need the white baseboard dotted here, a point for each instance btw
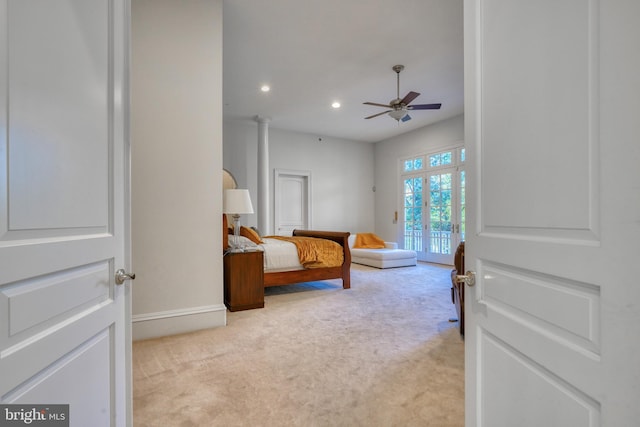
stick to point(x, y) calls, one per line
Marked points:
point(172, 322)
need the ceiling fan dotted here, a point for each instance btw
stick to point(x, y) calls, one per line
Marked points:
point(399, 107)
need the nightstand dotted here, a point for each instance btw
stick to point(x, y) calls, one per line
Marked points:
point(243, 280)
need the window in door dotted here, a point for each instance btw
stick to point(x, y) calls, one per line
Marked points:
point(440, 218)
point(413, 202)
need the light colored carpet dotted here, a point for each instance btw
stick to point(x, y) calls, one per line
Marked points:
point(382, 353)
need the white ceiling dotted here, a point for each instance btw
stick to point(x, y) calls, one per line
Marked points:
point(313, 52)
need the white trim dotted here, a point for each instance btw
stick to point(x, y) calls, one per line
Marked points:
point(178, 312)
point(173, 322)
point(128, 263)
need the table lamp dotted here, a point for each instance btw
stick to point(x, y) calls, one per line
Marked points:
point(237, 202)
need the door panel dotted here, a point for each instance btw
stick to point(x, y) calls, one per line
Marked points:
point(92, 359)
point(503, 364)
point(63, 27)
point(551, 311)
point(63, 320)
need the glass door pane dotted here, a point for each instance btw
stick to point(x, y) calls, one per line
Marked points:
point(413, 204)
point(440, 213)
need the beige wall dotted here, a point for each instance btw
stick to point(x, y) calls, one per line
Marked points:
point(176, 133)
point(342, 175)
point(334, 162)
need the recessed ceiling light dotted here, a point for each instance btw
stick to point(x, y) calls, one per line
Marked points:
point(265, 88)
point(335, 104)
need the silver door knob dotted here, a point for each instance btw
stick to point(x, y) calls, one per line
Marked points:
point(121, 276)
point(469, 278)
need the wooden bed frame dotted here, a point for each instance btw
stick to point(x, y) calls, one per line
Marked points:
point(312, 274)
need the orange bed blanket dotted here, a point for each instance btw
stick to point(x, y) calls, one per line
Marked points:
point(314, 252)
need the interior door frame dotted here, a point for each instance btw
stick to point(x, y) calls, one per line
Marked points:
point(126, 171)
point(306, 177)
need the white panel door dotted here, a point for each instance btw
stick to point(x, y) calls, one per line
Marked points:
point(291, 201)
point(64, 323)
point(551, 126)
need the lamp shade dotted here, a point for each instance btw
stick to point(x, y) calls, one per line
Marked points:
point(237, 201)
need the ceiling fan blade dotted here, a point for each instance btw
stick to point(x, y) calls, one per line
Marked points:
point(377, 105)
point(376, 115)
point(424, 107)
point(409, 97)
point(406, 118)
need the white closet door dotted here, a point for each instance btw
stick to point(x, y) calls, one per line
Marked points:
point(292, 201)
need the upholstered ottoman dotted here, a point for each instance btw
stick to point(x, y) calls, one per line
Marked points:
point(388, 257)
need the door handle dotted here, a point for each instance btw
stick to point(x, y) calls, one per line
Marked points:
point(121, 276)
point(469, 278)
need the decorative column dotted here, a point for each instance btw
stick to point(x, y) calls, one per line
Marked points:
point(264, 223)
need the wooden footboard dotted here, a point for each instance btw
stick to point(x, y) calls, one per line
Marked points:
point(310, 275)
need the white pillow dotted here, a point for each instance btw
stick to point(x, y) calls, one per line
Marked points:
point(243, 242)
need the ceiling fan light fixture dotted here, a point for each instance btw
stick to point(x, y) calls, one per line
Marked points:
point(397, 114)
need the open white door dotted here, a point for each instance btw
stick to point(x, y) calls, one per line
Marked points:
point(64, 322)
point(552, 102)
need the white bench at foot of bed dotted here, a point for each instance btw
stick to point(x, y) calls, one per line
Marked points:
point(388, 257)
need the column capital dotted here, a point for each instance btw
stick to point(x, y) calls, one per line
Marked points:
point(262, 119)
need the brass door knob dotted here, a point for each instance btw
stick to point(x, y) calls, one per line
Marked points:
point(121, 276)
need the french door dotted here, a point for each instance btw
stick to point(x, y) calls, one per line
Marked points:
point(444, 225)
point(434, 211)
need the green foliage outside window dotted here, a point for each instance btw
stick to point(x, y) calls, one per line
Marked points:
point(413, 164)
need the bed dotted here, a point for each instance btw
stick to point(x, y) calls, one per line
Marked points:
point(298, 274)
